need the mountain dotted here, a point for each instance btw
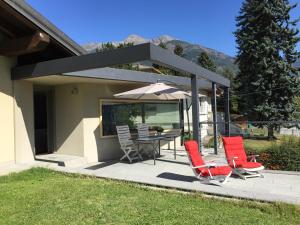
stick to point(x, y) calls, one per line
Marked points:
point(191, 51)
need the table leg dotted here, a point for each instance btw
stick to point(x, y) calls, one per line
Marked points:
point(174, 147)
point(154, 152)
point(159, 148)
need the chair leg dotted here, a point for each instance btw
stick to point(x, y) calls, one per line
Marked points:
point(247, 174)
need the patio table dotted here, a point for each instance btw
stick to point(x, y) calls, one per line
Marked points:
point(173, 138)
point(154, 142)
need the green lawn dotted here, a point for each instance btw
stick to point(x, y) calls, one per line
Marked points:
point(41, 196)
point(258, 145)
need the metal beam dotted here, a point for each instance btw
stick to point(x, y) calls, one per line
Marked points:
point(214, 111)
point(170, 60)
point(195, 108)
point(131, 54)
point(83, 62)
point(227, 111)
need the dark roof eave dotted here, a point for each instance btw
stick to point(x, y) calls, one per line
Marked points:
point(111, 58)
point(28, 12)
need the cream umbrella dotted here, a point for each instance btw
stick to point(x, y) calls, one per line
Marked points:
point(157, 91)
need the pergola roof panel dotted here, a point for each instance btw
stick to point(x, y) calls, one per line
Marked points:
point(121, 56)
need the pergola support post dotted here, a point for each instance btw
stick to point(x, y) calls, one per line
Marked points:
point(227, 111)
point(214, 111)
point(195, 108)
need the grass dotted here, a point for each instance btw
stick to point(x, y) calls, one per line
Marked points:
point(41, 196)
point(257, 145)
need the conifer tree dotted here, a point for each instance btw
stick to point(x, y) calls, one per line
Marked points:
point(178, 50)
point(205, 61)
point(266, 38)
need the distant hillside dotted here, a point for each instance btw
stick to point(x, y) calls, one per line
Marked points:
point(191, 51)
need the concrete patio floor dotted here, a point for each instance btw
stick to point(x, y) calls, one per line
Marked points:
point(275, 186)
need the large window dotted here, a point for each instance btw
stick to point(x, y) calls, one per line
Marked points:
point(114, 113)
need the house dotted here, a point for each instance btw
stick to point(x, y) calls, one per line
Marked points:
point(54, 97)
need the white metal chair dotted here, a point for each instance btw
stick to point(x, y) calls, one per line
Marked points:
point(126, 144)
point(143, 131)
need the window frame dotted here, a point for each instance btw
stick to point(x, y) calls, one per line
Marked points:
point(113, 100)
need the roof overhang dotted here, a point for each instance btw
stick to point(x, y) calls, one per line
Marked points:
point(137, 53)
point(45, 25)
point(117, 75)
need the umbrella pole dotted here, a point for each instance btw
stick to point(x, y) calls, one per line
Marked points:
point(187, 115)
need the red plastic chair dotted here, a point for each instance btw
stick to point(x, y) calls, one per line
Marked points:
point(238, 160)
point(217, 175)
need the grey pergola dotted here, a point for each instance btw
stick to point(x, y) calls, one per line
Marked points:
point(137, 53)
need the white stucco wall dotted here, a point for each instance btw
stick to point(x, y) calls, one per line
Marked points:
point(204, 111)
point(95, 147)
point(7, 148)
point(77, 108)
point(24, 121)
point(69, 119)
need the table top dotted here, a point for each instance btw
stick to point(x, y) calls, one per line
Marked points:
point(155, 137)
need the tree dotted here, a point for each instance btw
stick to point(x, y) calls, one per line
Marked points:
point(205, 61)
point(297, 112)
point(233, 104)
point(106, 47)
point(162, 45)
point(110, 46)
point(266, 39)
point(178, 50)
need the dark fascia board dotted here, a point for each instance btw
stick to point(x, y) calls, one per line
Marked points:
point(137, 76)
point(132, 54)
point(163, 57)
point(40, 21)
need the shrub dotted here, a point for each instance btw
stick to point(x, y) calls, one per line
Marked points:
point(282, 156)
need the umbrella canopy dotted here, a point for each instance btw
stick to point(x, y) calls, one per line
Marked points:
point(157, 91)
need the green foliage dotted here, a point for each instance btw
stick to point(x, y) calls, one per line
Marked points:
point(187, 136)
point(110, 46)
point(41, 196)
point(163, 69)
point(267, 82)
point(158, 129)
point(228, 73)
point(178, 50)
point(162, 45)
point(205, 61)
point(284, 155)
point(297, 111)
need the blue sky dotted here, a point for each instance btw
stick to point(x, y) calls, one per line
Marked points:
point(210, 23)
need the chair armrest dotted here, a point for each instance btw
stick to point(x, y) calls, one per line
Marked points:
point(252, 157)
point(203, 166)
point(232, 159)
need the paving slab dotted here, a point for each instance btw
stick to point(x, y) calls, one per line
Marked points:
point(170, 173)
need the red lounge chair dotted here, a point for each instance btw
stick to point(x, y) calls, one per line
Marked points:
point(237, 159)
point(217, 175)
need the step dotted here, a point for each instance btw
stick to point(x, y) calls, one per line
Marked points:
point(63, 160)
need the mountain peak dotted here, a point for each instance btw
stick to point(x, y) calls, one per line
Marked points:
point(136, 39)
point(190, 51)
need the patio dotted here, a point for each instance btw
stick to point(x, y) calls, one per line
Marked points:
point(275, 186)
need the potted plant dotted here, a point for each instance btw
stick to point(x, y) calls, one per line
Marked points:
point(158, 129)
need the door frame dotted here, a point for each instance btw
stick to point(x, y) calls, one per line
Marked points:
point(51, 134)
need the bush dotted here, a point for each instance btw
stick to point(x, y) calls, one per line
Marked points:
point(282, 156)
